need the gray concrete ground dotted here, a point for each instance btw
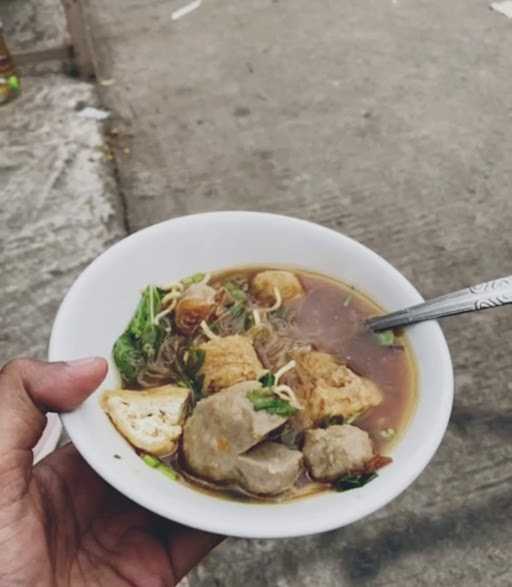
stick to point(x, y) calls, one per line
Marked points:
point(387, 120)
point(59, 202)
point(33, 26)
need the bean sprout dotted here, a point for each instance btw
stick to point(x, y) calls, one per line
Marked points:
point(172, 295)
point(207, 331)
point(277, 303)
point(163, 313)
point(285, 392)
point(172, 286)
point(284, 369)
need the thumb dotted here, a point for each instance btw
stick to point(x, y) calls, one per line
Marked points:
point(29, 388)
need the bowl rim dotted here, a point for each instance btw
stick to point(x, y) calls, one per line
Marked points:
point(210, 524)
point(49, 439)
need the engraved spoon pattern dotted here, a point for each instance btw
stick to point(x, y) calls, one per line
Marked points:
point(483, 296)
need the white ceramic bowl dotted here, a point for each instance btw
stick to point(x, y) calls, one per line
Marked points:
point(49, 439)
point(102, 300)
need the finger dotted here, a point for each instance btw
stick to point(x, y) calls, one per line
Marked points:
point(187, 547)
point(29, 388)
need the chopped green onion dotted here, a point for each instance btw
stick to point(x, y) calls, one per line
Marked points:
point(196, 278)
point(347, 301)
point(265, 399)
point(267, 380)
point(385, 338)
point(150, 461)
point(168, 471)
point(235, 292)
point(157, 464)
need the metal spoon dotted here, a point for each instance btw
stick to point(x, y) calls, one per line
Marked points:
point(479, 297)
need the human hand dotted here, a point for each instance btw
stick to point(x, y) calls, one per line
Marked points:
point(60, 524)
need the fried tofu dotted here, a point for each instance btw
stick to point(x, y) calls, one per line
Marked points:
point(229, 360)
point(264, 284)
point(151, 420)
point(331, 389)
point(315, 366)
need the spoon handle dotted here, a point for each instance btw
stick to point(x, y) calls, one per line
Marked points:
point(490, 294)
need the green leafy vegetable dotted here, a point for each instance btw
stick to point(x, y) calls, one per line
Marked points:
point(142, 326)
point(189, 366)
point(141, 340)
point(265, 399)
point(242, 318)
point(353, 481)
point(267, 380)
point(385, 338)
point(236, 292)
point(128, 357)
point(196, 278)
point(238, 310)
point(157, 464)
point(195, 361)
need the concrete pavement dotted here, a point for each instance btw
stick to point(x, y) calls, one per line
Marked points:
point(59, 202)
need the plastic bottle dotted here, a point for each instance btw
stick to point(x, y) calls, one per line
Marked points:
point(9, 81)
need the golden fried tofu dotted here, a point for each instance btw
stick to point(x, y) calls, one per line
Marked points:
point(331, 389)
point(264, 284)
point(229, 360)
point(357, 396)
point(315, 366)
point(196, 305)
point(151, 420)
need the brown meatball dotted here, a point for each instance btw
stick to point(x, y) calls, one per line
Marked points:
point(287, 283)
point(229, 360)
point(196, 305)
point(222, 427)
point(269, 469)
point(336, 451)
